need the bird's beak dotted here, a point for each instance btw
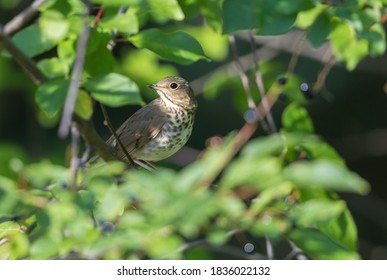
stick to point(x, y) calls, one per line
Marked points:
point(154, 86)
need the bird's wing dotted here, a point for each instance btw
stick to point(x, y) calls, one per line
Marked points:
point(140, 128)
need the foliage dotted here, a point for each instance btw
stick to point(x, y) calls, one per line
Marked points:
point(282, 186)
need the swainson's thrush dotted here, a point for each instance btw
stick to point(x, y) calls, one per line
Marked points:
point(161, 128)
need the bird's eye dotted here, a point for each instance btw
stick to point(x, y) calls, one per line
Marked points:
point(173, 86)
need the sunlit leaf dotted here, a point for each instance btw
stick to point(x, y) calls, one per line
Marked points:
point(54, 25)
point(53, 68)
point(32, 41)
point(325, 174)
point(15, 243)
point(346, 46)
point(315, 212)
point(317, 245)
point(83, 105)
point(176, 46)
point(163, 10)
point(296, 119)
point(114, 90)
point(260, 172)
point(125, 23)
point(51, 96)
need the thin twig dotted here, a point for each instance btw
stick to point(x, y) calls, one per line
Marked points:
point(114, 133)
point(259, 82)
point(23, 17)
point(245, 82)
point(74, 162)
point(244, 78)
point(322, 75)
point(296, 54)
point(98, 16)
point(86, 155)
point(26, 63)
point(72, 93)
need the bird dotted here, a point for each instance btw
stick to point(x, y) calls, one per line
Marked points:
point(160, 128)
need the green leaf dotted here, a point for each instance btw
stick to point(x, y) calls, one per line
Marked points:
point(306, 18)
point(326, 174)
point(261, 14)
point(320, 150)
point(317, 211)
point(209, 166)
point(53, 68)
point(9, 228)
point(270, 226)
point(190, 8)
point(32, 41)
point(12, 158)
point(342, 229)
point(9, 197)
point(66, 51)
point(214, 44)
point(377, 40)
point(44, 173)
point(54, 25)
point(264, 146)
point(211, 10)
point(125, 23)
point(51, 96)
point(260, 172)
point(99, 60)
point(283, 24)
point(114, 90)
point(177, 46)
point(163, 10)
point(347, 47)
point(267, 196)
point(317, 245)
point(296, 119)
point(83, 105)
point(14, 241)
point(239, 15)
point(320, 30)
point(44, 248)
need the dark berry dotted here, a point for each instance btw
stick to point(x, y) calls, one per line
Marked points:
point(282, 80)
point(282, 96)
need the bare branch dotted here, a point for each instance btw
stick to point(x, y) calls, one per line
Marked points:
point(91, 136)
point(296, 54)
point(259, 82)
point(245, 82)
point(23, 17)
point(26, 63)
point(241, 71)
point(75, 78)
